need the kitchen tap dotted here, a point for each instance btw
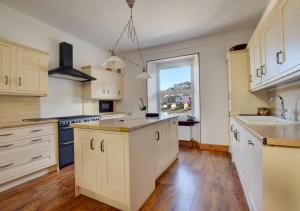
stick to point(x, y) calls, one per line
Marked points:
point(282, 110)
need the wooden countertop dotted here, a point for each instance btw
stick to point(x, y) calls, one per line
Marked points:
point(279, 135)
point(25, 123)
point(122, 124)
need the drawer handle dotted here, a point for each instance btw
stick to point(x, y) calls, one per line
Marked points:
point(7, 134)
point(67, 143)
point(36, 140)
point(258, 72)
point(8, 145)
point(36, 157)
point(250, 143)
point(38, 130)
point(8, 165)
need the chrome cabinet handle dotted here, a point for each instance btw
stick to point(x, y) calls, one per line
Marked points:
point(103, 91)
point(36, 140)
point(7, 134)
point(251, 80)
point(8, 165)
point(67, 143)
point(250, 142)
point(6, 80)
point(34, 131)
point(92, 144)
point(280, 57)
point(8, 145)
point(257, 73)
point(263, 70)
point(36, 157)
point(20, 81)
point(158, 136)
point(102, 145)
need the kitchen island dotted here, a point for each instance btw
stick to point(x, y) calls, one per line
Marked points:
point(117, 161)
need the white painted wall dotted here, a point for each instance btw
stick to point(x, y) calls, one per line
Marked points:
point(213, 80)
point(65, 97)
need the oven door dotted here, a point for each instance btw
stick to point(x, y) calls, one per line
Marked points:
point(66, 146)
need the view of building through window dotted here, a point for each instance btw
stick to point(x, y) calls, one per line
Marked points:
point(176, 91)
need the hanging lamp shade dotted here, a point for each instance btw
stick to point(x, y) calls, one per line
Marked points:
point(143, 75)
point(114, 62)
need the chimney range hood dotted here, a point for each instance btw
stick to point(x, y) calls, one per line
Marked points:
point(65, 69)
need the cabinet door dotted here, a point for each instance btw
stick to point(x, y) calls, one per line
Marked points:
point(5, 67)
point(255, 173)
point(173, 139)
point(120, 87)
point(112, 171)
point(255, 63)
point(270, 46)
point(290, 16)
point(161, 148)
point(85, 158)
point(32, 71)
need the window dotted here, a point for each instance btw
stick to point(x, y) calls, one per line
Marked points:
point(175, 88)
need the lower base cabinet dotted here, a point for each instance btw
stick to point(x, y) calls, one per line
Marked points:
point(120, 168)
point(269, 174)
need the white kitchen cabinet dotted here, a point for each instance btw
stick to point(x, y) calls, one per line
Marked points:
point(270, 46)
point(108, 86)
point(23, 70)
point(255, 63)
point(86, 150)
point(161, 147)
point(268, 173)
point(112, 157)
point(289, 12)
point(5, 66)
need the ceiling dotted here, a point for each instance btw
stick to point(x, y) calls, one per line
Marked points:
point(100, 22)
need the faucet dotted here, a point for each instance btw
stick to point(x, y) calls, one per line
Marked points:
point(282, 110)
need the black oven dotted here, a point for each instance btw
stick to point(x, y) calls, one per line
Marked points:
point(106, 106)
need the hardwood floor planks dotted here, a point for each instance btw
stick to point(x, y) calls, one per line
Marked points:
point(198, 180)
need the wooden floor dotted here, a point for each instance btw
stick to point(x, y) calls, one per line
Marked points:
point(199, 180)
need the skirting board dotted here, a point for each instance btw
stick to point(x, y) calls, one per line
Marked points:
point(26, 178)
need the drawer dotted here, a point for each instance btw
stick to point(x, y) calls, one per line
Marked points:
point(15, 154)
point(26, 165)
point(26, 132)
point(10, 144)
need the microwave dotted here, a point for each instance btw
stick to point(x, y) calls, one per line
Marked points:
point(106, 106)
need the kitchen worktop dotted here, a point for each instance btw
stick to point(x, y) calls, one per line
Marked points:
point(25, 123)
point(126, 124)
point(279, 135)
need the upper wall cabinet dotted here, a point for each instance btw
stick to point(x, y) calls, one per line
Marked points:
point(23, 70)
point(108, 86)
point(275, 46)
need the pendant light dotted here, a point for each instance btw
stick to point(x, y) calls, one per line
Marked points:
point(115, 62)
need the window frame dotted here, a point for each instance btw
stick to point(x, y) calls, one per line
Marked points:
point(175, 64)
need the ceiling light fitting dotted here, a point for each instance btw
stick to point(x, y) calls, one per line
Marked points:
point(115, 62)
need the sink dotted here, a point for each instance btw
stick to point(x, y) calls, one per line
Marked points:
point(266, 120)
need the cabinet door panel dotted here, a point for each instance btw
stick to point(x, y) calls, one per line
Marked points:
point(5, 56)
point(161, 148)
point(173, 138)
point(113, 175)
point(29, 66)
point(290, 16)
point(85, 159)
point(270, 47)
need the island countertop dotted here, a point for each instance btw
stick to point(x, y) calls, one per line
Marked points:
point(126, 124)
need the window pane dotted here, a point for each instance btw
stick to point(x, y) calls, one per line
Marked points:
point(178, 78)
point(175, 103)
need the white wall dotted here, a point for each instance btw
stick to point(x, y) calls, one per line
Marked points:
point(213, 80)
point(65, 97)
